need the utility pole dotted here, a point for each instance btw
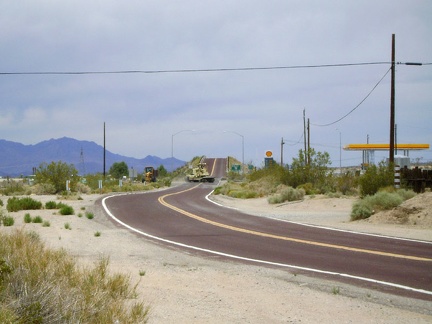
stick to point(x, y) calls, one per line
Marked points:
point(392, 103)
point(304, 135)
point(104, 154)
point(308, 142)
point(282, 144)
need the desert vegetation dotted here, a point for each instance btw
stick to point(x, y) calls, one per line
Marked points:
point(39, 285)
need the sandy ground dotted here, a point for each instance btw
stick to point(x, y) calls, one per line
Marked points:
point(182, 288)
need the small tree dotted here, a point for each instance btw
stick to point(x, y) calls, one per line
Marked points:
point(162, 172)
point(315, 172)
point(376, 178)
point(56, 174)
point(119, 169)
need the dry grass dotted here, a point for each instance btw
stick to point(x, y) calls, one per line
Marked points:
point(38, 285)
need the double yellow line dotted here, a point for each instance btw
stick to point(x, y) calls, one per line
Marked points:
point(278, 237)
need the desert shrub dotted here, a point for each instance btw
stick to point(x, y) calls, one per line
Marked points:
point(361, 209)
point(83, 188)
point(376, 178)
point(12, 187)
point(406, 194)
point(44, 189)
point(347, 183)
point(61, 205)
point(15, 204)
point(89, 215)
point(27, 218)
point(1, 202)
point(286, 194)
point(308, 188)
point(50, 205)
point(37, 220)
point(52, 288)
point(67, 210)
point(382, 200)
point(56, 174)
point(5, 219)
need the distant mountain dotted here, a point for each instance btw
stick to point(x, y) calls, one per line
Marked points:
point(17, 159)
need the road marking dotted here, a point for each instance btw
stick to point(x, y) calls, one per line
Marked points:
point(161, 200)
point(344, 275)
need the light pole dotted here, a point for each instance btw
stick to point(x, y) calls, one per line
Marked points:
point(242, 168)
point(172, 145)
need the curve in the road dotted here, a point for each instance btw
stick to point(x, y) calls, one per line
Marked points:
point(279, 237)
point(266, 262)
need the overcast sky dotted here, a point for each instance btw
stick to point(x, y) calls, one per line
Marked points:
point(211, 112)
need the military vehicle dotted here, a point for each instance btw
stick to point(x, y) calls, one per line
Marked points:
point(200, 174)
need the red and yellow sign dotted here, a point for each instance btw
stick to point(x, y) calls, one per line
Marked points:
point(269, 153)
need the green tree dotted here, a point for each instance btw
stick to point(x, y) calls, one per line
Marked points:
point(376, 177)
point(56, 174)
point(162, 172)
point(316, 172)
point(119, 169)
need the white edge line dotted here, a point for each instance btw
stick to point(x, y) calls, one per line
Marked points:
point(325, 227)
point(385, 283)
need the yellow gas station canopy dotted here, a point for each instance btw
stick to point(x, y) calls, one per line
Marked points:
point(385, 147)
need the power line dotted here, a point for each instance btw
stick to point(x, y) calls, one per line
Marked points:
point(194, 70)
point(370, 92)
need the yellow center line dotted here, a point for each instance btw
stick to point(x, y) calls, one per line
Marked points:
point(278, 237)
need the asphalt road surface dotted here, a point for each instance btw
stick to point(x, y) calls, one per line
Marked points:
point(182, 216)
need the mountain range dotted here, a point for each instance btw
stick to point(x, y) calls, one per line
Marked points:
point(17, 159)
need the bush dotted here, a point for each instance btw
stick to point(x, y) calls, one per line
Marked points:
point(44, 189)
point(37, 220)
point(361, 209)
point(89, 215)
point(376, 178)
point(286, 194)
point(16, 204)
point(13, 188)
point(6, 221)
point(51, 205)
point(382, 200)
point(51, 288)
point(27, 218)
point(66, 210)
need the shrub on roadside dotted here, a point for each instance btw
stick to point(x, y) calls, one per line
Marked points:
point(50, 205)
point(286, 194)
point(6, 220)
point(16, 204)
point(54, 289)
point(382, 200)
point(67, 210)
point(27, 218)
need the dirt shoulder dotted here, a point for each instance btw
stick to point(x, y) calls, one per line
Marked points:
point(184, 288)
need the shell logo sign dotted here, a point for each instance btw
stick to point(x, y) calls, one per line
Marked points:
point(269, 153)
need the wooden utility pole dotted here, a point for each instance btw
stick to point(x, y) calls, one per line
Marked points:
point(104, 154)
point(392, 103)
point(304, 135)
point(308, 142)
point(282, 144)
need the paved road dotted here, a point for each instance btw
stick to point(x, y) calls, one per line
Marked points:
point(182, 215)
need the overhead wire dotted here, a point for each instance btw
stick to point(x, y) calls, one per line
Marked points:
point(352, 110)
point(192, 70)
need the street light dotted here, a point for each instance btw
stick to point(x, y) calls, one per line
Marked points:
point(242, 168)
point(172, 145)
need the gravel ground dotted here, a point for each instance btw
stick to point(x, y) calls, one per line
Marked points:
point(184, 288)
